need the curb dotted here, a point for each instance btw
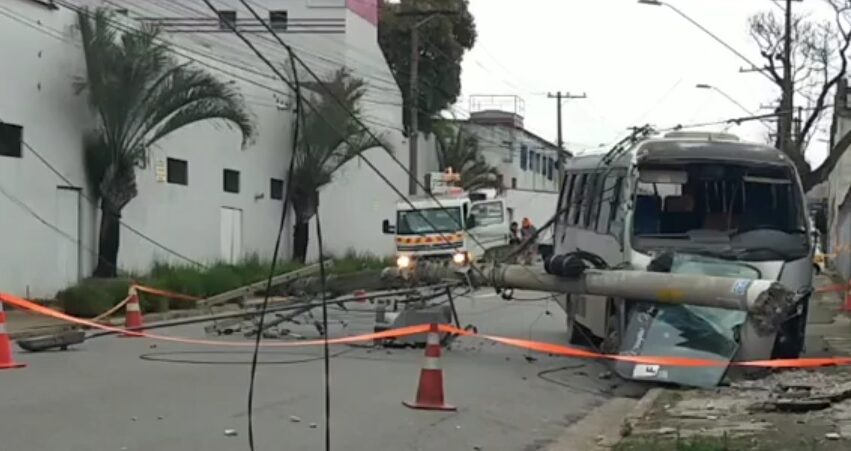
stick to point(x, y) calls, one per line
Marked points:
point(604, 426)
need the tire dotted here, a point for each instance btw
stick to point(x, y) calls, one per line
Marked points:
point(577, 334)
point(790, 340)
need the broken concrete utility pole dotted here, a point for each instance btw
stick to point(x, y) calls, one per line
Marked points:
point(767, 301)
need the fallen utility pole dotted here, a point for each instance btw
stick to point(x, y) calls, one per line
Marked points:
point(247, 314)
point(767, 301)
point(252, 289)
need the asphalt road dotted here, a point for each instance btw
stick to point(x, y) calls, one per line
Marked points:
point(103, 396)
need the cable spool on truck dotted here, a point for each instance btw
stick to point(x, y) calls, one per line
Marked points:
point(450, 226)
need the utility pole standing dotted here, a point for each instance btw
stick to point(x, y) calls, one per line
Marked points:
point(413, 92)
point(559, 96)
point(787, 105)
point(413, 119)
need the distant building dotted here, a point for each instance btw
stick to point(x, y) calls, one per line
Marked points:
point(837, 188)
point(526, 161)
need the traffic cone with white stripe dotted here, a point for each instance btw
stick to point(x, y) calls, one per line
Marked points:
point(133, 317)
point(7, 361)
point(430, 389)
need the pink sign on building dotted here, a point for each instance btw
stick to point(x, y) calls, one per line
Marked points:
point(368, 9)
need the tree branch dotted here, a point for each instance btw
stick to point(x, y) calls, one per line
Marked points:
point(813, 178)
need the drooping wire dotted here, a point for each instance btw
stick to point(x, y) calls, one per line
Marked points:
point(326, 355)
point(265, 305)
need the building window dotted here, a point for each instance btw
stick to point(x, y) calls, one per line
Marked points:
point(278, 20)
point(544, 165)
point(227, 20)
point(533, 161)
point(276, 190)
point(513, 182)
point(231, 181)
point(524, 157)
point(550, 166)
point(177, 171)
point(11, 140)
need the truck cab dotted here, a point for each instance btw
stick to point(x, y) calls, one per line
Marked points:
point(451, 226)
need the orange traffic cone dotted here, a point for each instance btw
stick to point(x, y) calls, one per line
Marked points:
point(7, 361)
point(133, 318)
point(430, 389)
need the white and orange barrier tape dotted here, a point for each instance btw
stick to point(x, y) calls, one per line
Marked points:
point(543, 347)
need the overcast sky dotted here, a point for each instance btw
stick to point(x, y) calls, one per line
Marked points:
point(637, 63)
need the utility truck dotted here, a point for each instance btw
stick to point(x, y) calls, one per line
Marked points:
point(449, 225)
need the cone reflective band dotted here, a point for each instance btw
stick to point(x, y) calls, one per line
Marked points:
point(7, 360)
point(430, 387)
point(133, 314)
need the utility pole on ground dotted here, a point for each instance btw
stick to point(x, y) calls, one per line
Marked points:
point(413, 93)
point(559, 96)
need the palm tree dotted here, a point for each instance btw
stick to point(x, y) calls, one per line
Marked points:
point(331, 137)
point(458, 149)
point(139, 94)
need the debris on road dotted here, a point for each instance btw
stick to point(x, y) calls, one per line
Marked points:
point(832, 436)
point(295, 419)
point(313, 425)
point(231, 433)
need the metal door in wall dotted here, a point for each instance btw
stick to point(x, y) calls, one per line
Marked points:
point(231, 234)
point(68, 244)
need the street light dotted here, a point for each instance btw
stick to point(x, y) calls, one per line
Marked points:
point(711, 34)
point(727, 96)
point(731, 99)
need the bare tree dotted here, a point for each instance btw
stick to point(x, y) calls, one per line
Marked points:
point(818, 61)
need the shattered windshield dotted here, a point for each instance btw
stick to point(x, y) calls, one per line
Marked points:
point(685, 330)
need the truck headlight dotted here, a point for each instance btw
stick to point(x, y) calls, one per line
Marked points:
point(403, 261)
point(459, 258)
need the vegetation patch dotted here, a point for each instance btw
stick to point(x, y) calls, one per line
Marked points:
point(94, 296)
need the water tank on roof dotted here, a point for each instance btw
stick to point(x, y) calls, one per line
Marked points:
point(708, 136)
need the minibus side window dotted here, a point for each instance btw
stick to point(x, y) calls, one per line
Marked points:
point(606, 204)
point(615, 222)
point(589, 200)
point(576, 203)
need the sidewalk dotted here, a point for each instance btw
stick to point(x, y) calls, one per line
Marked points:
point(787, 410)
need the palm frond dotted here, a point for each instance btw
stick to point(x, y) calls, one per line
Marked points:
point(140, 92)
point(331, 134)
point(459, 149)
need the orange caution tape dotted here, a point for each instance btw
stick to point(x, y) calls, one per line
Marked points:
point(549, 348)
point(25, 304)
point(166, 294)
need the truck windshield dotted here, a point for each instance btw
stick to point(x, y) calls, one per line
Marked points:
point(742, 212)
point(428, 220)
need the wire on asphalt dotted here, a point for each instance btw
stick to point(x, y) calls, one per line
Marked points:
point(325, 351)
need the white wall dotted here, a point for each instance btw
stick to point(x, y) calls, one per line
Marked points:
point(353, 206)
point(36, 92)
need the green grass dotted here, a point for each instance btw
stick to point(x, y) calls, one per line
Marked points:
point(698, 443)
point(94, 296)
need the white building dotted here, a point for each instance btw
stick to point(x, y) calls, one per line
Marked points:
point(837, 187)
point(527, 163)
point(200, 195)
